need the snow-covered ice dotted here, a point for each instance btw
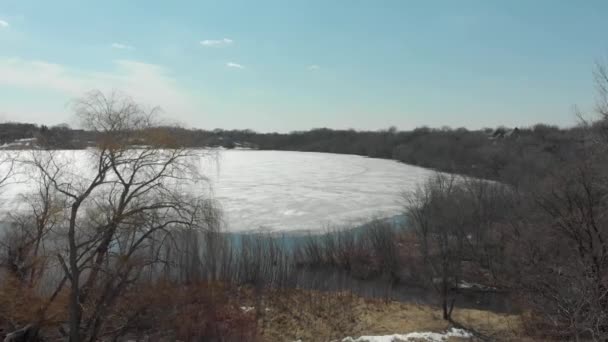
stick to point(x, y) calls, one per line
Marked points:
point(292, 191)
point(289, 191)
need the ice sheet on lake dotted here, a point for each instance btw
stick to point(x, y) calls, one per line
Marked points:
point(291, 191)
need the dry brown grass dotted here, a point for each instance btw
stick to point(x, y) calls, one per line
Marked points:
point(21, 304)
point(195, 311)
point(313, 316)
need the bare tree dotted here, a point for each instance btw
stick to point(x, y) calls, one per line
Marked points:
point(135, 188)
point(562, 250)
point(25, 239)
point(559, 247)
point(436, 222)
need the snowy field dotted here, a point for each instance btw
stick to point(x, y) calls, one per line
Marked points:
point(285, 191)
point(296, 191)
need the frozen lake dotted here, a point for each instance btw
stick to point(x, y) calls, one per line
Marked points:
point(279, 190)
point(295, 191)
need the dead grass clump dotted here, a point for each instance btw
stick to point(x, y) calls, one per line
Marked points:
point(196, 312)
point(21, 305)
point(318, 316)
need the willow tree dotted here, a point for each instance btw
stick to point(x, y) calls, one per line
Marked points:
point(121, 203)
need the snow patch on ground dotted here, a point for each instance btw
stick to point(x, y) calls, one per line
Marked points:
point(466, 285)
point(414, 336)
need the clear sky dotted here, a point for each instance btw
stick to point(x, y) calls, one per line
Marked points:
point(290, 65)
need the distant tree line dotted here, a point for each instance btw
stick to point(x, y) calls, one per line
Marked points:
point(499, 154)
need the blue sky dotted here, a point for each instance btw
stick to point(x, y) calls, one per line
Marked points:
point(291, 65)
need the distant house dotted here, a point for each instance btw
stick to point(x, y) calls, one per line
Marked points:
point(503, 132)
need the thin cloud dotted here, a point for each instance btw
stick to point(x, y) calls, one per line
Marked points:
point(3, 24)
point(235, 65)
point(148, 83)
point(216, 42)
point(122, 46)
point(314, 67)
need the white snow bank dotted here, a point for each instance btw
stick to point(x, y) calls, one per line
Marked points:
point(466, 285)
point(414, 336)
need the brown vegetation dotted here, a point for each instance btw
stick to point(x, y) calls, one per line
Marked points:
point(116, 250)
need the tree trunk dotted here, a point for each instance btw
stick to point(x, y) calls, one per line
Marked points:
point(75, 311)
point(447, 305)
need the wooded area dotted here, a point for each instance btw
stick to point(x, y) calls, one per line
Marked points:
point(95, 244)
